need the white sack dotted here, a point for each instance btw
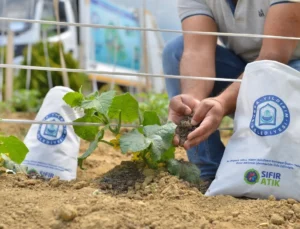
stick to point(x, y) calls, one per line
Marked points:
point(263, 156)
point(53, 149)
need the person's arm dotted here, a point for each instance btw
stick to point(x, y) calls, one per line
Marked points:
point(198, 57)
point(282, 20)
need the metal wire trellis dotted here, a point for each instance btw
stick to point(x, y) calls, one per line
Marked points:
point(33, 122)
point(117, 73)
point(99, 26)
point(22, 121)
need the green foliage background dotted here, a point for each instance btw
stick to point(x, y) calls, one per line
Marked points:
point(39, 79)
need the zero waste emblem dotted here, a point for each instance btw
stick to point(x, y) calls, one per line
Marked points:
point(251, 176)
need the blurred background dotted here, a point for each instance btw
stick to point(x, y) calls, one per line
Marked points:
point(99, 50)
point(165, 12)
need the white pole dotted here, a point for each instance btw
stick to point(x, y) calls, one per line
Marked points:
point(28, 72)
point(61, 54)
point(9, 76)
point(115, 59)
point(49, 76)
point(145, 44)
point(3, 27)
point(29, 53)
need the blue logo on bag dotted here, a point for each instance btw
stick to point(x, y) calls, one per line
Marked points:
point(270, 117)
point(51, 134)
point(51, 129)
point(267, 115)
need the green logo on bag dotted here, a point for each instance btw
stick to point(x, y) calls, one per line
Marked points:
point(251, 176)
point(267, 178)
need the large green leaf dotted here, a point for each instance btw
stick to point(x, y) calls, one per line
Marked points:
point(161, 138)
point(127, 105)
point(133, 141)
point(15, 148)
point(100, 103)
point(87, 132)
point(169, 154)
point(73, 99)
point(92, 96)
point(184, 170)
point(150, 118)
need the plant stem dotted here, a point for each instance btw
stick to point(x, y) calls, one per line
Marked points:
point(106, 142)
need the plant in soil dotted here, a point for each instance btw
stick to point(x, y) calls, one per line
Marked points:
point(12, 152)
point(150, 142)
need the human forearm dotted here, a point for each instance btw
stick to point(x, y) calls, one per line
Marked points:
point(195, 64)
point(198, 57)
point(228, 98)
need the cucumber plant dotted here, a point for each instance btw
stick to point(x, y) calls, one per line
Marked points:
point(150, 140)
point(13, 149)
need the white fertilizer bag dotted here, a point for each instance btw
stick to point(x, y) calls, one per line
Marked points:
point(263, 156)
point(53, 149)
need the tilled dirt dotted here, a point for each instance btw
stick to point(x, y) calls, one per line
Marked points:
point(154, 200)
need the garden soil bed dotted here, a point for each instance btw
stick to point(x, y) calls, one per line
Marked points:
point(115, 193)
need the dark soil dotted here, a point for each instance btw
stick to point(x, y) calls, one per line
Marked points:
point(136, 179)
point(122, 177)
point(184, 128)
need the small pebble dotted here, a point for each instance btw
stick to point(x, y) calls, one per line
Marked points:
point(277, 219)
point(147, 181)
point(271, 198)
point(264, 224)
point(82, 207)
point(67, 213)
point(56, 224)
point(96, 193)
point(296, 208)
point(137, 196)
point(288, 214)
point(21, 184)
point(235, 214)
point(54, 182)
point(291, 201)
point(162, 182)
point(80, 185)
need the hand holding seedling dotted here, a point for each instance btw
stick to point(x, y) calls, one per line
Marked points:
point(188, 112)
point(209, 114)
point(180, 108)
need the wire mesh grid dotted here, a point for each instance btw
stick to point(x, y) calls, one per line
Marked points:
point(143, 29)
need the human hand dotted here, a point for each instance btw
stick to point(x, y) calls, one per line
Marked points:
point(209, 113)
point(179, 107)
